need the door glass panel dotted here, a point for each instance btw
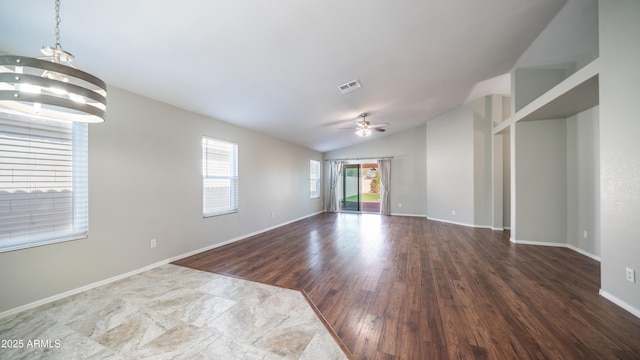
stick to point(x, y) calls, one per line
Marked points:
point(351, 196)
point(370, 188)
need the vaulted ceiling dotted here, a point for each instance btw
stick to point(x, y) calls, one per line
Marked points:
point(275, 66)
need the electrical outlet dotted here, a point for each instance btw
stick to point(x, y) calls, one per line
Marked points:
point(453, 212)
point(631, 275)
point(399, 205)
point(273, 215)
point(153, 243)
point(585, 234)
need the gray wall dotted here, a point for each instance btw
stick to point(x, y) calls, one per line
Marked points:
point(583, 182)
point(459, 157)
point(557, 176)
point(541, 181)
point(408, 167)
point(506, 180)
point(145, 183)
point(529, 83)
point(620, 148)
point(482, 158)
point(450, 166)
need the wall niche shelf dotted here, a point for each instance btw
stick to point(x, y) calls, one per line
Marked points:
point(573, 95)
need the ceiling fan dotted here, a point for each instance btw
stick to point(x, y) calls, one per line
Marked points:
point(364, 128)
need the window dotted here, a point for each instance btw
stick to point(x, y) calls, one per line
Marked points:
point(219, 177)
point(43, 182)
point(314, 178)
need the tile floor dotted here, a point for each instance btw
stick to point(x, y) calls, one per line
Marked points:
point(171, 312)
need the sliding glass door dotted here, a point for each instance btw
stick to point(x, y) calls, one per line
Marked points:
point(361, 188)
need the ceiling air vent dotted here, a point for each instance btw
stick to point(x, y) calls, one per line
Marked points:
point(352, 85)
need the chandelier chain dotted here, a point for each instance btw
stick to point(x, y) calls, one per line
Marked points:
point(58, 24)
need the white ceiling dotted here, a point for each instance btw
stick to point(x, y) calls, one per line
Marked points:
point(275, 66)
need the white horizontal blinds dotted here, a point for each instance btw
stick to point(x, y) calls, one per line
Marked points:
point(80, 186)
point(43, 182)
point(219, 176)
point(314, 177)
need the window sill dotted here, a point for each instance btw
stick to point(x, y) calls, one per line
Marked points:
point(23, 246)
point(219, 213)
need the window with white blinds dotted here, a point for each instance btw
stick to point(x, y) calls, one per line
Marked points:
point(314, 178)
point(219, 177)
point(43, 182)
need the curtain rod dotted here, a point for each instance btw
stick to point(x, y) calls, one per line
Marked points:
point(366, 158)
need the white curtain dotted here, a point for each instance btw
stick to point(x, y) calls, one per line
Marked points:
point(334, 202)
point(384, 166)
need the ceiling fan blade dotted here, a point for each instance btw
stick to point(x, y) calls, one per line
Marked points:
point(381, 125)
point(364, 125)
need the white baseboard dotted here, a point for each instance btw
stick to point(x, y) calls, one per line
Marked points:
point(375, 213)
point(635, 312)
point(216, 245)
point(75, 291)
point(413, 215)
point(562, 245)
point(80, 289)
point(537, 243)
point(606, 295)
point(461, 224)
point(585, 253)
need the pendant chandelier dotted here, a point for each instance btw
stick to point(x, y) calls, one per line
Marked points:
point(50, 87)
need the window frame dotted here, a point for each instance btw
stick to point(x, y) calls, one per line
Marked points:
point(317, 179)
point(232, 177)
point(28, 147)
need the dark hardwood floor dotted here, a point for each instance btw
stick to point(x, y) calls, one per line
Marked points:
point(410, 288)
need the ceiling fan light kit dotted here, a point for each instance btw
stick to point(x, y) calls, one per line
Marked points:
point(51, 87)
point(363, 132)
point(365, 128)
